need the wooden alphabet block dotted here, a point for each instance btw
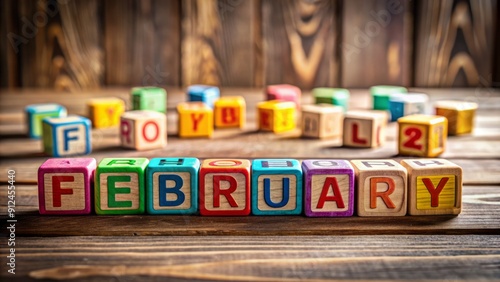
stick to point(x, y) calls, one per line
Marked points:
point(37, 112)
point(119, 186)
point(460, 115)
point(225, 187)
point(203, 93)
point(149, 98)
point(381, 95)
point(334, 96)
point(230, 112)
point(172, 186)
point(364, 129)
point(422, 135)
point(435, 186)
point(196, 119)
point(381, 188)
point(407, 104)
point(105, 112)
point(66, 136)
point(284, 92)
point(322, 121)
point(276, 187)
point(143, 130)
point(65, 185)
point(276, 116)
point(329, 188)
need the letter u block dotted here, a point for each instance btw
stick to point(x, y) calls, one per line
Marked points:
point(105, 112)
point(37, 112)
point(407, 104)
point(143, 130)
point(364, 129)
point(460, 115)
point(276, 187)
point(435, 187)
point(172, 186)
point(119, 186)
point(380, 188)
point(422, 135)
point(381, 95)
point(333, 96)
point(225, 187)
point(203, 93)
point(322, 121)
point(284, 92)
point(195, 120)
point(149, 98)
point(66, 136)
point(230, 112)
point(276, 116)
point(65, 185)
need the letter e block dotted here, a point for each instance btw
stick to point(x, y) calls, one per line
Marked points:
point(230, 112)
point(196, 119)
point(105, 112)
point(143, 130)
point(37, 112)
point(66, 136)
point(322, 121)
point(284, 92)
point(203, 93)
point(422, 135)
point(365, 129)
point(460, 115)
point(276, 116)
point(149, 98)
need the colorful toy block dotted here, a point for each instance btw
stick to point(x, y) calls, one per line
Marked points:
point(66, 136)
point(435, 187)
point(65, 185)
point(37, 112)
point(407, 104)
point(329, 188)
point(381, 95)
point(230, 112)
point(422, 135)
point(460, 115)
point(172, 186)
point(143, 130)
point(276, 187)
point(149, 98)
point(284, 92)
point(196, 119)
point(119, 186)
point(203, 93)
point(322, 121)
point(334, 96)
point(364, 129)
point(276, 116)
point(105, 112)
point(381, 188)
point(225, 187)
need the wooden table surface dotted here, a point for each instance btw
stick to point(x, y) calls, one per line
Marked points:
point(253, 248)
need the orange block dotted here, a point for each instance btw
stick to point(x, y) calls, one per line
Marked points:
point(196, 119)
point(230, 112)
point(460, 115)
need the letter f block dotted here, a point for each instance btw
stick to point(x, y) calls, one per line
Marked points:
point(66, 136)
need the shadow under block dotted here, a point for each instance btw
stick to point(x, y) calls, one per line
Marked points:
point(381, 95)
point(284, 92)
point(119, 186)
point(67, 136)
point(203, 93)
point(195, 119)
point(143, 130)
point(333, 96)
point(276, 187)
point(172, 186)
point(230, 112)
point(381, 188)
point(434, 186)
point(65, 186)
point(37, 112)
point(422, 135)
point(105, 112)
point(328, 188)
point(364, 129)
point(149, 98)
point(276, 116)
point(224, 187)
point(460, 115)
point(322, 121)
point(407, 104)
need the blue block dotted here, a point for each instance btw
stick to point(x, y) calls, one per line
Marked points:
point(203, 93)
point(397, 109)
point(276, 187)
point(37, 112)
point(401, 105)
point(172, 186)
point(67, 136)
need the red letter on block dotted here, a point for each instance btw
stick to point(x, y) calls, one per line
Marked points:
point(355, 133)
point(57, 191)
point(337, 197)
point(383, 195)
point(435, 191)
point(226, 192)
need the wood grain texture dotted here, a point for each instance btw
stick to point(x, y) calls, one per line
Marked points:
point(9, 65)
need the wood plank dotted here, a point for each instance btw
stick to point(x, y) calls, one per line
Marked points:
point(9, 48)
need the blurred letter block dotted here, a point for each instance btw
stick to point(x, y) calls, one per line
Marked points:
point(230, 112)
point(460, 115)
point(322, 121)
point(105, 112)
point(284, 92)
point(381, 95)
point(276, 116)
point(143, 130)
point(333, 96)
point(37, 112)
point(195, 119)
point(365, 129)
point(203, 93)
point(149, 98)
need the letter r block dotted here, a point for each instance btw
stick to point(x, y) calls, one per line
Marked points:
point(196, 119)
point(380, 187)
point(224, 187)
point(364, 129)
point(66, 136)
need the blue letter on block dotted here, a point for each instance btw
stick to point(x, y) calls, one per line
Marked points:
point(67, 138)
point(164, 190)
point(267, 193)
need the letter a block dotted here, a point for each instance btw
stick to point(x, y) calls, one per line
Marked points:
point(322, 121)
point(230, 112)
point(460, 115)
point(65, 185)
point(37, 112)
point(435, 187)
point(422, 135)
point(284, 92)
point(329, 188)
point(364, 129)
point(172, 185)
point(149, 98)
point(119, 186)
point(203, 93)
point(333, 96)
point(67, 136)
point(105, 112)
point(276, 187)
point(196, 119)
point(380, 188)
point(225, 187)
point(276, 116)
point(143, 130)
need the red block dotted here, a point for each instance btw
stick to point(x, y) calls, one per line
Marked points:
point(284, 92)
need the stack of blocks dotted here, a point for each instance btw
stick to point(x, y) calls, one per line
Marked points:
point(143, 130)
point(149, 98)
point(407, 104)
point(364, 129)
point(105, 112)
point(460, 115)
point(37, 112)
point(276, 116)
point(334, 96)
point(195, 119)
point(381, 95)
point(66, 136)
point(230, 112)
point(322, 121)
point(203, 93)
point(284, 92)
point(422, 135)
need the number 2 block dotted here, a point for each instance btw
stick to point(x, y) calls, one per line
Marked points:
point(422, 135)
point(196, 119)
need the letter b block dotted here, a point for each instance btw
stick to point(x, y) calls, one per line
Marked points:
point(422, 135)
point(196, 119)
point(66, 136)
point(230, 112)
point(365, 129)
point(143, 130)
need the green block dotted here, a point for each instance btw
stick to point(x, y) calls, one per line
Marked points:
point(382, 94)
point(120, 186)
point(149, 98)
point(334, 96)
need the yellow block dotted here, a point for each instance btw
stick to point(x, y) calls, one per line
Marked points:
point(435, 192)
point(460, 115)
point(230, 112)
point(422, 135)
point(196, 119)
point(276, 116)
point(105, 112)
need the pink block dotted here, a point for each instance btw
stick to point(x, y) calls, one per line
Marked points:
point(284, 92)
point(65, 185)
